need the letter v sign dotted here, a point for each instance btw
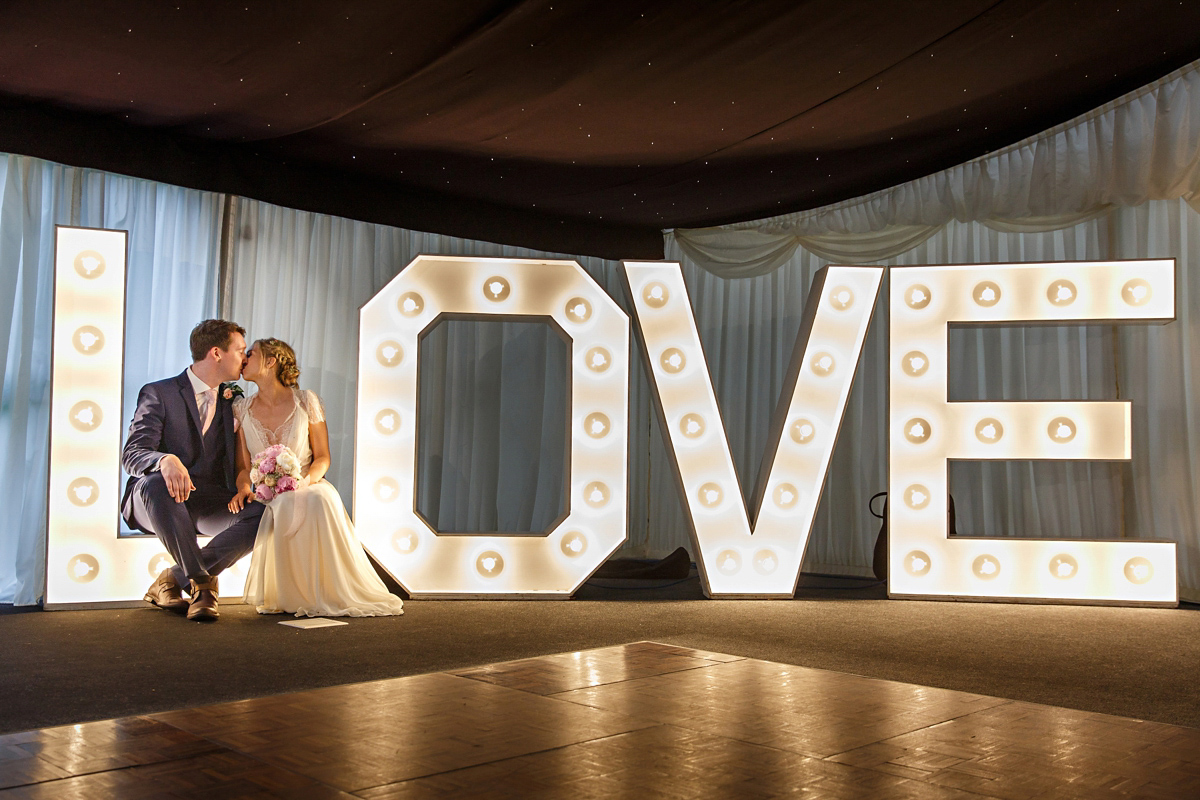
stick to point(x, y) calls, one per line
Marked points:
point(759, 555)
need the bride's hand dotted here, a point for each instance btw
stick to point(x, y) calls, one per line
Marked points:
point(240, 499)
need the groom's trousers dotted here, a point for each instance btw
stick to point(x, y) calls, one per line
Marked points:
point(206, 511)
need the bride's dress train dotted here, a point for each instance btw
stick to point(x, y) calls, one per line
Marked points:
point(307, 558)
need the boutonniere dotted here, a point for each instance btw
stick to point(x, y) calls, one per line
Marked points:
point(231, 390)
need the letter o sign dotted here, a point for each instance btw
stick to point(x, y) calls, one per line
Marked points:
point(430, 563)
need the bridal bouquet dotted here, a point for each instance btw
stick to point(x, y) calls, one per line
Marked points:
point(274, 471)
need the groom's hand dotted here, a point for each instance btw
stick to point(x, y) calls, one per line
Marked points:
point(175, 474)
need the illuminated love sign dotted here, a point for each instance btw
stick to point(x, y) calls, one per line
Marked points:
point(754, 551)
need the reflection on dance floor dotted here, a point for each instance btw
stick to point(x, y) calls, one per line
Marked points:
point(642, 720)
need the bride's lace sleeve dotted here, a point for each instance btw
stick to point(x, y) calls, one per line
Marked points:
point(312, 406)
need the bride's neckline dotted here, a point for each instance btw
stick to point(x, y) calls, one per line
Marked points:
point(273, 431)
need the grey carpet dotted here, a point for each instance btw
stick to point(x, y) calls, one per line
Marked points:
point(73, 666)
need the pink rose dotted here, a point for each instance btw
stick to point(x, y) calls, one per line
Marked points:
point(275, 450)
point(267, 465)
point(264, 493)
point(228, 394)
point(286, 484)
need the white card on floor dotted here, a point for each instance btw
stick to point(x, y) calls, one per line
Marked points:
point(312, 622)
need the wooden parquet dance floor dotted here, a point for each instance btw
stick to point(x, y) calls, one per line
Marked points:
point(642, 720)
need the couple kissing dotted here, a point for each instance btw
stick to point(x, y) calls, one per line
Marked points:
point(203, 459)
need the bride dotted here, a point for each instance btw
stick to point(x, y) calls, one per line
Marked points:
point(307, 559)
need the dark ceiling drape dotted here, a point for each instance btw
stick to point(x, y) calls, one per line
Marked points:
point(567, 126)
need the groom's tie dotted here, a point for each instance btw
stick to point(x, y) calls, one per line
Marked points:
point(207, 411)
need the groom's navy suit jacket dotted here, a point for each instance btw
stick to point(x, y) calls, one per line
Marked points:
point(167, 420)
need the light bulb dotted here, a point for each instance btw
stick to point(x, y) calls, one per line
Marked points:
point(85, 416)
point(83, 491)
point(596, 494)
point(672, 360)
point(598, 359)
point(573, 544)
point(917, 430)
point(710, 495)
point(387, 421)
point(916, 497)
point(802, 431)
point(917, 296)
point(786, 495)
point(729, 562)
point(1061, 430)
point(989, 430)
point(914, 363)
point(489, 563)
point(158, 563)
point(1139, 570)
point(387, 490)
point(84, 568)
point(655, 295)
point(496, 289)
point(578, 310)
point(404, 541)
point(692, 426)
point(1136, 292)
point(410, 304)
point(765, 562)
point(986, 567)
point(1063, 566)
point(88, 340)
point(986, 294)
point(596, 425)
point(823, 364)
point(389, 353)
point(841, 298)
point(917, 563)
point(90, 264)
point(1061, 293)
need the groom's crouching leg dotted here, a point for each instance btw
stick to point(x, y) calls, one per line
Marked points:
point(156, 511)
point(232, 534)
point(203, 607)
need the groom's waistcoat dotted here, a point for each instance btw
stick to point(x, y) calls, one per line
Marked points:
point(211, 467)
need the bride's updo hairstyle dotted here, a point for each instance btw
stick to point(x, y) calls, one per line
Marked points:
point(285, 360)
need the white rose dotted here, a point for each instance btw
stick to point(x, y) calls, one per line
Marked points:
point(270, 480)
point(255, 475)
point(287, 463)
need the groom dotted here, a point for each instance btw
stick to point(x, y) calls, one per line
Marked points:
point(180, 456)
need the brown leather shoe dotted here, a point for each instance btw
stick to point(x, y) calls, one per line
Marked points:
point(165, 592)
point(204, 600)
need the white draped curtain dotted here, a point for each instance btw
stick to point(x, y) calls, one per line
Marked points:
point(172, 283)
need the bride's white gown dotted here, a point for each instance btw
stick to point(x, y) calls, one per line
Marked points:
point(307, 559)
